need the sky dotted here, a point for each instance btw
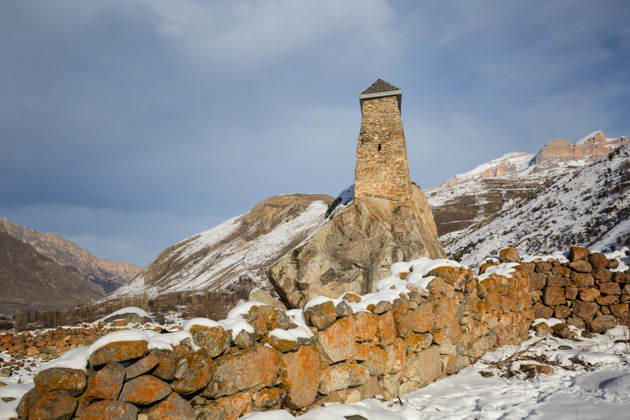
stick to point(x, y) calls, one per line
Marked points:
point(129, 125)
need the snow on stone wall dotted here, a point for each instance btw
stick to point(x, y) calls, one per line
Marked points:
point(407, 335)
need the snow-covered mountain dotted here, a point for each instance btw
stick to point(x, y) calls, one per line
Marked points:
point(588, 205)
point(477, 195)
point(234, 254)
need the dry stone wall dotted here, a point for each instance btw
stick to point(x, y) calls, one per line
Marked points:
point(586, 291)
point(397, 345)
point(391, 343)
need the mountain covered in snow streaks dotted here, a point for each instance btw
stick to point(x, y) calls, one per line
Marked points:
point(235, 254)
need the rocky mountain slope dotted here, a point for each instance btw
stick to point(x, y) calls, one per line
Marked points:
point(109, 274)
point(588, 205)
point(235, 254)
point(477, 195)
point(30, 280)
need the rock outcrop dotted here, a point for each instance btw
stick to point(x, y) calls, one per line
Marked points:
point(109, 274)
point(389, 220)
point(590, 148)
point(356, 248)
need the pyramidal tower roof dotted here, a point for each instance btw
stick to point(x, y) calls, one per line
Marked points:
point(380, 88)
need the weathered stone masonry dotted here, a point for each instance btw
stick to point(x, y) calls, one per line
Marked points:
point(586, 292)
point(382, 168)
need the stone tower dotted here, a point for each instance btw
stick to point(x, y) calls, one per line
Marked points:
point(382, 169)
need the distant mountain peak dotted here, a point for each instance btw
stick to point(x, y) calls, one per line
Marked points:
point(476, 196)
point(107, 273)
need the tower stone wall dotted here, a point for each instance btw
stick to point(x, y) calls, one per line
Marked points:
point(382, 169)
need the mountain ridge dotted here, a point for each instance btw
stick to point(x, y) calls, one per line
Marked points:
point(107, 273)
point(474, 196)
point(30, 280)
point(587, 205)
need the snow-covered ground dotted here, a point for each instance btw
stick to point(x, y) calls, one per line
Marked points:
point(590, 380)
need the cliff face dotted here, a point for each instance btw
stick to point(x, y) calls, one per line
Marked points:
point(589, 148)
point(30, 280)
point(109, 274)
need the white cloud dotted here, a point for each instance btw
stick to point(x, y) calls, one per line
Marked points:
point(245, 36)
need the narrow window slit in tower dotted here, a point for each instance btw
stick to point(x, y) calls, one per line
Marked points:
point(379, 147)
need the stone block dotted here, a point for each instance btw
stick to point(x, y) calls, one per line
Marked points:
point(423, 318)
point(195, 371)
point(589, 294)
point(386, 329)
point(173, 407)
point(105, 384)
point(141, 367)
point(366, 324)
point(558, 281)
point(571, 293)
point(373, 357)
point(578, 253)
point(119, 351)
point(56, 404)
point(424, 368)
point(581, 266)
point(73, 381)
point(603, 323)
point(610, 288)
point(251, 369)
point(607, 300)
point(215, 340)
point(321, 316)
point(509, 254)
point(165, 369)
point(602, 275)
point(553, 296)
point(300, 376)
point(598, 260)
point(396, 359)
point(337, 342)
point(582, 280)
point(584, 310)
point(110, 410)
point(561, 311)
point(619, 309)
point(144, 390)
point(342, 376)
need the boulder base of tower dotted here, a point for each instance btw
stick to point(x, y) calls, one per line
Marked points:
point(356, 248)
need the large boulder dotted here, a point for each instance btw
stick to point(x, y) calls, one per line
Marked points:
point(355, 249)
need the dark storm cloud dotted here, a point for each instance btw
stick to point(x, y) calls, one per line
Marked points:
point(129, 125)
